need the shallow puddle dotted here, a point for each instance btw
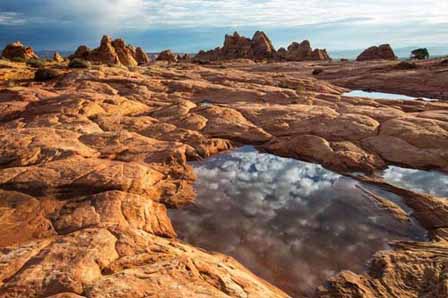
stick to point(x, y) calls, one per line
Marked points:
point(381, 95)
point(431, 182)
point(293, 223)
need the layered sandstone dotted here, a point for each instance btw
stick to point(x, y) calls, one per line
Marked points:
point(113, 52)
point(167, 55)
point(90, 162)
point(18, 50)
point(302, 52)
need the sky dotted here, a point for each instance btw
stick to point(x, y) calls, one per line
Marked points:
point(191, 25)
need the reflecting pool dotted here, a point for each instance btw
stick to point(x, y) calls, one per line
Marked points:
point(381, 95)
point(293, 223)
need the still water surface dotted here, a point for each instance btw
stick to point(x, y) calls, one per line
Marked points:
point(293, 223)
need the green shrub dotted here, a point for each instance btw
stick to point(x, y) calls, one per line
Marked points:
point(36, 63)
point(420, 54)
point(45, 74)
point(18, 59)
point(79, 63)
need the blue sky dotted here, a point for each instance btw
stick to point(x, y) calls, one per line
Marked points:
point(190, 25)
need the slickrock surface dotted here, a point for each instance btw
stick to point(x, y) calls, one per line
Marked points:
point(18, 50)
point(90, 161)
point(382, 52)
point(112, 52)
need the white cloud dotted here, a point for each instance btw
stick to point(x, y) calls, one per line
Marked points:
point(11, 19)
point(148, 14)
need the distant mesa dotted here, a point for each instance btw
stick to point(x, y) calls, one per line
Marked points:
point(382, 52)
point(167, 55)
point(113, 52)
point(260, 48)
point(17, 50)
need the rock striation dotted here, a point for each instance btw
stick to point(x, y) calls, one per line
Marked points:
point(91, 160)
point(18, 50)
point(113, 52)
point(382, 52)
point(260, 48)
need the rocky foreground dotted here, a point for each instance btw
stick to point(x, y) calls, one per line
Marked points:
point(91, 159)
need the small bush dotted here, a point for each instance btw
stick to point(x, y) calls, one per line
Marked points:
point(45, 74)
point(18, 59)
point(79, 63)
point(36, 63)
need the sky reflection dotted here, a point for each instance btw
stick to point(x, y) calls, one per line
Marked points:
point(293, 223)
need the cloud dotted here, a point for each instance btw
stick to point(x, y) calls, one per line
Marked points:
point(11, 19)
point(187, 13)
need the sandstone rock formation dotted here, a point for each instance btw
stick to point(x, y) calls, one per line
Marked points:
point(167, 55)
point(141, 57)
point(112, 52)
point(302, 52)
point(18, 50)
point(90, 162)
point(239, 47)
point(260, 48)
point(382, 52)
point(58, 58)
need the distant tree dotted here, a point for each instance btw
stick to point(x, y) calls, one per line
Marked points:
point(420, 54)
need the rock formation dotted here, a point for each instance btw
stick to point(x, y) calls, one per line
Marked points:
point(112, 52)
point(302, 52)
point(18, 50)
point(58, 57)
point(91, 160)
point(141, 57)
point(240, 47)
point(260, 48)
point(167, 55)
point(382, 52)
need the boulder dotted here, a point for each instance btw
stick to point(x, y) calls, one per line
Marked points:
point(261, 46)
point(18, 50)
point(141, 57)
point(58, 57)
point(167, 55)
point(46, 74)
point(82, 52)
point(383, 52)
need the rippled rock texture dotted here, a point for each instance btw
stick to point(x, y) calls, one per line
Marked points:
point(91, 160)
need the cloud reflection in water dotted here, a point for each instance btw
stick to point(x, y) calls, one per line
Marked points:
point(292, 223)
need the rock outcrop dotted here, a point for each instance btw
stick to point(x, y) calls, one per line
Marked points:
point(167, 55)
point(382, 52)
point(91, 160)
point(302, 52)
point(18, 50)
point(260, 48)
point(113, 52)
point(141, 57)
point(57, 57)
point(240, 47)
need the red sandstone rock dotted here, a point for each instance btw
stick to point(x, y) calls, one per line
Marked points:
point(141, 57)
point(167, 55)
point(18, 50)
point(112, 52)
point(382, 52)
point(90, 161)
